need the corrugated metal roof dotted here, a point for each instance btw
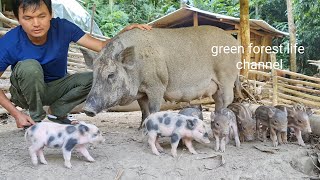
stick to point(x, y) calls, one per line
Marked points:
point(185, 14)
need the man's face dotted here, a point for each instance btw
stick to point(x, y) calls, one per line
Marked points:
point(35, 22)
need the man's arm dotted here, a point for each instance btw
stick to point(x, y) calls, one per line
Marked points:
point(21, 118)
point(97, 45)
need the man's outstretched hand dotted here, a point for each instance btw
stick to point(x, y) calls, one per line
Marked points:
point(23, 120)
point(140, 26)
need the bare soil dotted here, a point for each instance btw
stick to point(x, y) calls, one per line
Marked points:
point(125, 155)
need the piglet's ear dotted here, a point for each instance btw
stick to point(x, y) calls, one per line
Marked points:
point(271, 113)
point(126, 57)
point(190, 124)
point(83, 129)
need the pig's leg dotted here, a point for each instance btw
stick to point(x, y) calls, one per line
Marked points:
point(41, 156)
point(175, 138)
point(297, 132)
point(241, 136)
point(284, 137)
point(273, 136)
point(236, 135)
point(33, 150)
point(218, 100)
point(279, 137)
point(227, 94)
point(217, 142)
point(264, 133)
point(67, 147)
point(258, 129)
point(83, 150)
point(152, 141)
point(223, 144)
point(143, 103)
point(160, 149)
point(188, 143)
point(67, 158)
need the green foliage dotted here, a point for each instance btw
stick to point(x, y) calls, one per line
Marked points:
point(226, 7)
point(111, 19)
point(307, 16)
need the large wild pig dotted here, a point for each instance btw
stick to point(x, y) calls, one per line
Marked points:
point(298, 119)
point(174, 64)
point(275, 120)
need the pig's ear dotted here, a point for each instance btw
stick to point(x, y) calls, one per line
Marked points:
point(190, 124)
point(309, 111)
point(127, 57)
point(271, 113)
point(89, 56)
point(285, 111)
point(83, 129)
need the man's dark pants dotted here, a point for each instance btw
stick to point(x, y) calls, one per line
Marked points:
point(29, 91)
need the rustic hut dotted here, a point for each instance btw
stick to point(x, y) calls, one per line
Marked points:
point(262, 33)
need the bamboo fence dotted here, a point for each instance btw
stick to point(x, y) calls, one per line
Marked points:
point(298, 88)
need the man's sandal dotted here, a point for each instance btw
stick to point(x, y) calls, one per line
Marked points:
point(69, 119)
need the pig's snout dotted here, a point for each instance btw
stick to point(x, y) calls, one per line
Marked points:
point(93, 105)
point(206, 141)
point(249, 138)
point(308, 129)
point(284, 129)
point(89, 112)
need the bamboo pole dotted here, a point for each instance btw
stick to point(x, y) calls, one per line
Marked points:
point(80, 61)
point(299, 82)
point(300, 100)
point(299, 88)
point(274, 82)
point(7, 20)
point(260, 73)
point(300, 94)
point(300, 75)
point(75, 54)
point(76, 65)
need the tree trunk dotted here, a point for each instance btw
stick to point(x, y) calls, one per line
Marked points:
point(292, 32)
point(111, 5)
point(245, 34)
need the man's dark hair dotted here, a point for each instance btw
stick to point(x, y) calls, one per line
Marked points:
point(25, 4)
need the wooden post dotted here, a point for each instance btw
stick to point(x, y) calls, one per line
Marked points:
point(245, 35)
point(1, 25)
point(292, 32)
point(92, 17)
point(195, 19)
point(274, 81)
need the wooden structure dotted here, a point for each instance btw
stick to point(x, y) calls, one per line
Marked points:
point(261, 33)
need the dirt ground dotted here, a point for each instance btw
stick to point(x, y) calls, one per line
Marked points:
point(125, 155)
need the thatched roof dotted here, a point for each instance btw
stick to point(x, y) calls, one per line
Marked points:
point(184, 17)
